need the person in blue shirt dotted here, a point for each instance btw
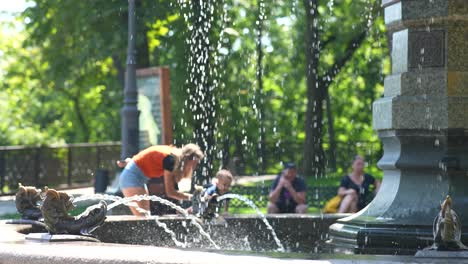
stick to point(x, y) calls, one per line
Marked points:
point(288, 192)
point(206, 204)
point(221, 183)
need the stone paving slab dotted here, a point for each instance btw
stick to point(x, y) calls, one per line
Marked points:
point(462, 254)
point(88, 252)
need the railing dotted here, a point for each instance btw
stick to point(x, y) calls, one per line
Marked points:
point(74, 165)
point(61, 166)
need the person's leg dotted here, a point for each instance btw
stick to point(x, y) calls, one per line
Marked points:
point(272, 208)
point(131, 191)
point(301, 209)
point(348, 203)
point(132, 182)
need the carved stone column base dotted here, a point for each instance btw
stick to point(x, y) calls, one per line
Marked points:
point(421, 167)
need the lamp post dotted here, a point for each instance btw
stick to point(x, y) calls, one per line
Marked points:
point(129, 112)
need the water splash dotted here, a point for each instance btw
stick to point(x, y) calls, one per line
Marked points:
point(262, 216)
point(106, 197)
point(160, 224)
point(179, 209)
point(147, 213)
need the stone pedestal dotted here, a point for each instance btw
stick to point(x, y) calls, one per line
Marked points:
point(422, 121)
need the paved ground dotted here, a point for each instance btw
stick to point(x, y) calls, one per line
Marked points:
point(14, 249)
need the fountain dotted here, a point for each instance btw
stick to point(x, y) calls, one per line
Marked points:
point(422, 121)
point(234, 233)
point(257, 233)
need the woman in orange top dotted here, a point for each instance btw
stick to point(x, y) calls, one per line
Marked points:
point(167, 162)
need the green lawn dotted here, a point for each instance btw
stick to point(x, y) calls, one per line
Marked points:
point(9, 216)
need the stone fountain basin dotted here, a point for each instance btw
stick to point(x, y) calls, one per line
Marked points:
point(128, 239)
point(297, 233)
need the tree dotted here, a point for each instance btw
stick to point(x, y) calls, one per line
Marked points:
point(85, 61)
point(313, 150)
point(318, 82)
point(242, 96)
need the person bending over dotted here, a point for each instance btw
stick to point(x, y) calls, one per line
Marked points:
point(168, 164)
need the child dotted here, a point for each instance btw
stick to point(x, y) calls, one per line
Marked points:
point(219, 186)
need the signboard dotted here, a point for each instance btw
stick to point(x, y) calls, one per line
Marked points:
point(154, 103)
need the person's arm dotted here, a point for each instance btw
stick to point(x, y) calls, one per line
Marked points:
point(298, 197)
point(344, 187)
point(123, 163)
point(342, 191)
point(275, 193)
point(377, 186)
point(226, 207)
point(171, 192)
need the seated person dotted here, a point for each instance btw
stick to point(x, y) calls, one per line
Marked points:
point(356, 187)
point(288, 193)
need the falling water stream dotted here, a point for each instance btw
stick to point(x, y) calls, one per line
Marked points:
point(262, 216)
point(147, 213)
point(179, 209)
point(129, 201)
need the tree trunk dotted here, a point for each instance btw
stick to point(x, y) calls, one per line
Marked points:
point(81, 119)
point(143, 56)
point(331, 135)
point(313, 163)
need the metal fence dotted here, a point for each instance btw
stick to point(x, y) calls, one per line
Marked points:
point(62, 166)
point(74, 165)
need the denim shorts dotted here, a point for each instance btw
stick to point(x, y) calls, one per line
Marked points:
point(132, 176)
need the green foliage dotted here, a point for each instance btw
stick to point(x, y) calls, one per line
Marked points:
point(63, 75)
point(9, 216)
point(19, 94)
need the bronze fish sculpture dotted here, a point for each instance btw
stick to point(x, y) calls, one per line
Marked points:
point(55, 209)
point(27, 202)
point(447, 229)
